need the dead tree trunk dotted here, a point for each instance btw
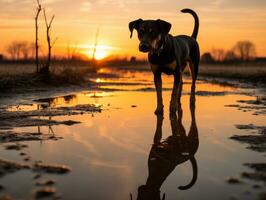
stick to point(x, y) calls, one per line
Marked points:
point(46, 68)
point(95, 45)
point(39, 8)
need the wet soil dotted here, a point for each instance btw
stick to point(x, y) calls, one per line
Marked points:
point(12, 119)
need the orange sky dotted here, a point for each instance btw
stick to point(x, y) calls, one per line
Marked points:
point(222, 22)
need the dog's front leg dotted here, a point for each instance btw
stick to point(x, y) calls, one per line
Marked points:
point(175, 94)
point(158, 85)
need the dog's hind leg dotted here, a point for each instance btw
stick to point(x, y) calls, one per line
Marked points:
point(194, 61)
point(194, 65)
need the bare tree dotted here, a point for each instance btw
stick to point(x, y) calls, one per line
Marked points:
point(15, 50)
point(39, 8)
point(12, 51)
point(32, 50)
point(95, 44)
point(71, 52)
point(46, 68)
point(218, 54)
point(245, 50)
point(25, 50)
point(230, 56)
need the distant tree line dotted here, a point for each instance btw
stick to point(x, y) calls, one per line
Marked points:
point(21, 51)
point(242, 51)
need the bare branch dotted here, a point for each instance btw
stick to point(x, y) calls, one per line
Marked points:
point(51, 21)
point(48, 37)
point(54, 42)
point(45, 18)
point(39, 8)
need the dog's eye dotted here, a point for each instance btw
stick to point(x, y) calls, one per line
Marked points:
point(141, 31)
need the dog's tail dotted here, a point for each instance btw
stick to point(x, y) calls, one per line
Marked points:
point(196, 26)
point(195, 174)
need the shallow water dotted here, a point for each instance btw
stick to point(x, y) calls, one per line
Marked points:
point(108, 152)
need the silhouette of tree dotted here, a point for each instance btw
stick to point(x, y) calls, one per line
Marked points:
point(25, 50)
point(207, 58)
point(19, 50)
point(245, 50)
point(46, 68)
point(230, 56)
point(12, 50)
point(15, 49)
point(38, 10)
point(218, 54)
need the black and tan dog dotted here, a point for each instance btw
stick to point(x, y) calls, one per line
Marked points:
point(168, 54)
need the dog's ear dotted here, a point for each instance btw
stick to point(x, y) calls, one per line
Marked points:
point(134, 25)
point(164, 26)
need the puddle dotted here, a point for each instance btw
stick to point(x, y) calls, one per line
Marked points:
point(108, 144)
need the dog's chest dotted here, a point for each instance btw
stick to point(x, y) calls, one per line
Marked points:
point(169, 68)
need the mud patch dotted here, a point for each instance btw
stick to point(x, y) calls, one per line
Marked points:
point(258, 174)
point(257, 105)
point(44, 192)
point(11, 119)
point(11, 136)
point(44, 188)
point(233, 180)
point(7, 167)
point(54, 169)
point(15, 146)
point(255, 141)
point(209, 93)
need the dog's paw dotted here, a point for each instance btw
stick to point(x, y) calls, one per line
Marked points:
point(158, 111)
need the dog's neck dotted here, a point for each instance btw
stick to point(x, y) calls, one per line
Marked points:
point(164, 46)
point(166, 53)
point(159, 50)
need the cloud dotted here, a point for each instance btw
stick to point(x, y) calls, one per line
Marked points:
point(86, 6)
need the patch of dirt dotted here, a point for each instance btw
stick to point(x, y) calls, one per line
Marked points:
point(255, 141)
point(233, 180)
point(11, 119)
point(45, 183)
point(15, 146)
point(44, 192)
point(7, 167)
point(48, 168)
point(256, 175)
point(209, 93)
point(11, 136)
point(257, 105)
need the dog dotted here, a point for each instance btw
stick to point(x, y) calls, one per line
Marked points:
point(166, 154)
point(168, 54)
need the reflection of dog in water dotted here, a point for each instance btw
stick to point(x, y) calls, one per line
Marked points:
point(167, 154)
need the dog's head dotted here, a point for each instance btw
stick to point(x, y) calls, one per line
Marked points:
point(151, 33)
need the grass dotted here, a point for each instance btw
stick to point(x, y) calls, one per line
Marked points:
point(250, 73)
point(15, 76)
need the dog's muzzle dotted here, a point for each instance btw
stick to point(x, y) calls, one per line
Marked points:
point(143, 47)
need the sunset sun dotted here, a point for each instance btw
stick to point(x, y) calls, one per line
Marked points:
point(99, 53)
